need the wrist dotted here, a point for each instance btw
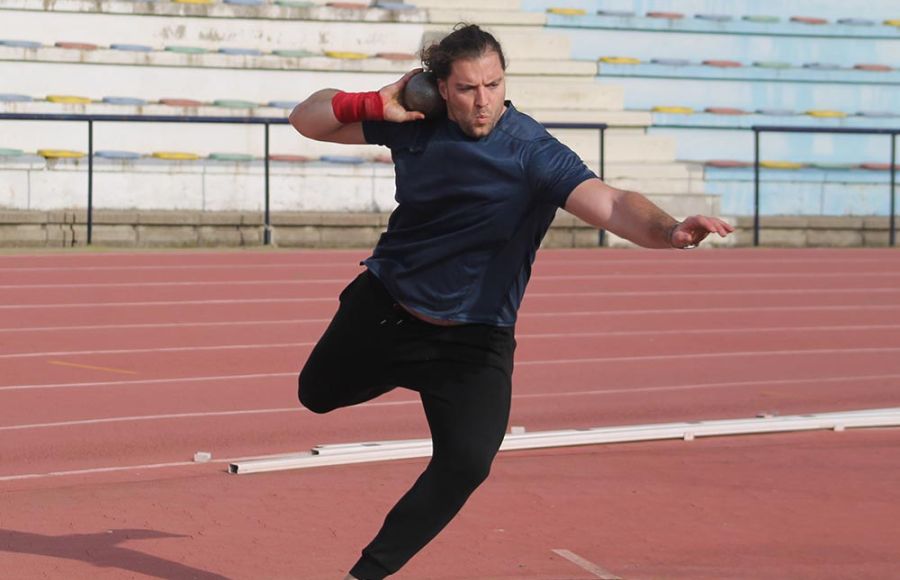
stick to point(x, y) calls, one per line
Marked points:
point(355, 107)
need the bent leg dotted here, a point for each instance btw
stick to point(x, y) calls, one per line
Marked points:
point(467, 419)
point(350, 363)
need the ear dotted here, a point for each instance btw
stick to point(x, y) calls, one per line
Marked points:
point(442, 88)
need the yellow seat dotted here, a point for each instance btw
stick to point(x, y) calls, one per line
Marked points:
point(892, 22)
point(567, 11)
point(826, 113)
point(674, 110)
point(620, 60)
point(68, 99)
point(346, 55)
point(60, 154)
point(176, 155)
point(781, 165)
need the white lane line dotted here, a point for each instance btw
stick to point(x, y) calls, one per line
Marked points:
point(526, 314)
point(94, 470)
point(573, 335)
point(726, 354)
point(699, 355)
point(378, 404)
point(594, 569)
point(149, 381)
point(534, 279)
point(159, 349)
point(167, 325)
point(616, 293)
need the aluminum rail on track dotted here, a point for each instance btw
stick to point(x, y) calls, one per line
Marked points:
point(349, 453)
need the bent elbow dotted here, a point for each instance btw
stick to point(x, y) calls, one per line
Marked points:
point(299, 120)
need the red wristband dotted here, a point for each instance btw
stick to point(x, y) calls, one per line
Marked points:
point(354, 107)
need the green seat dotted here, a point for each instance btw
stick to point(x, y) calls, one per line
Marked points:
point(186, 49)
point(772, 64)
point(293, 3)
point(234, 104)
point(231, 156)
point(834, 166)
point(295, 53)
point(11, 152)
point(762, 18)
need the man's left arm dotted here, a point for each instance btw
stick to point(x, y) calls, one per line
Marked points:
point(630, 215)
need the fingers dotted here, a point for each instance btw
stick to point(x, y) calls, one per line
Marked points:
point(709, 225)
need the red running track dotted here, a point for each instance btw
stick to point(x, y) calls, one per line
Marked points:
point(116, 367)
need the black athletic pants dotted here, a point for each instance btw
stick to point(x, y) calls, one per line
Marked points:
point(463, 375)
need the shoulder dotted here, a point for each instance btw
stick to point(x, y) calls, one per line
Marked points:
point(521, 127)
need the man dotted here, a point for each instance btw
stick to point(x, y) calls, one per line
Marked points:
point(436, 308)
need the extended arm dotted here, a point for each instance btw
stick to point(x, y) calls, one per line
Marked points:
point(315, 117)
point(634, 217)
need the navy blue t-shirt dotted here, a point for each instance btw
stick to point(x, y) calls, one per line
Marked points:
point(471, 213)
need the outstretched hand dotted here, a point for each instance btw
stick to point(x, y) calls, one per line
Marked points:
point(694, 230)
point(392, 98)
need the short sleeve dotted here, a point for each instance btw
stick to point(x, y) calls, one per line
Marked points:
point(554, 170)
point(391, 135)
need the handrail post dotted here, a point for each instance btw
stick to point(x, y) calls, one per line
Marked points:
point(893, 218)
point(756, 187)
point(90, 199)
point(601, 235)
point(267, 225)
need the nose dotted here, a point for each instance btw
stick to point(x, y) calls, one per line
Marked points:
point(481, 96)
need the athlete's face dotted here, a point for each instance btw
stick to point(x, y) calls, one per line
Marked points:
point(475, 93)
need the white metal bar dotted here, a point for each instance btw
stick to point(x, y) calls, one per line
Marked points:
point(348, 453)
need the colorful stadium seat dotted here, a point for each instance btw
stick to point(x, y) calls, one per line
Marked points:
point(241, 51)
point(14, 98)
point(878, 114)
point(234, 104)
point(620, 60)
point(725, 111)
point(665, 15)
point(567, 11)
point(193, 1)
point(396, 56)
point(343, 159)
point(777, 64)
point(282, 104)
point(4, 152)
point(833, 166)
point(809, 20)
point(60, 154)
point(761, 18)
point(826, 114)
point(21, 43)
point(394, 6)
point(877, 166)
point(76, 45)
point(873, 67)
point(68, 99)
point(293, 53)
point(777, 112)
point(722, 63)
point(120, 155)
point(186, 49)
point(133, 101)
point(673, 110)
point(289, 158)
point(714, 17)
point(781, 165)
point(892, 22)
point(175, 155)
point(132, 47)
point(671, 61)
point(180, 102)
point(231, 157)
point(616, 13)
point(245, 2)
point(348, 5)
point(345, 55)
point(294, 3)
point(857, 22)
point(728, 163)
point(822, 66)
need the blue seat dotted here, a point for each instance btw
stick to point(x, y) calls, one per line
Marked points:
point(394, 6)
point(857, 22)
point(878, 114)
point(132, 47)
point(21, 43)
point(777, 112)
point(241, 51)
point(671, 61)
point(244, 2)
point(345, 159)
point(617, 13)
point(134, 101)
point(282, 104)
point(822, 66)
point(14, 98)
point(714, 17)
point(122, 155)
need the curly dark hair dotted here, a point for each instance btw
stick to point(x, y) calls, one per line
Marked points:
point(466, 41)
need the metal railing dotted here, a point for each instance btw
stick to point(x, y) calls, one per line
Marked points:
point(265, 121)
point(758, 129)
